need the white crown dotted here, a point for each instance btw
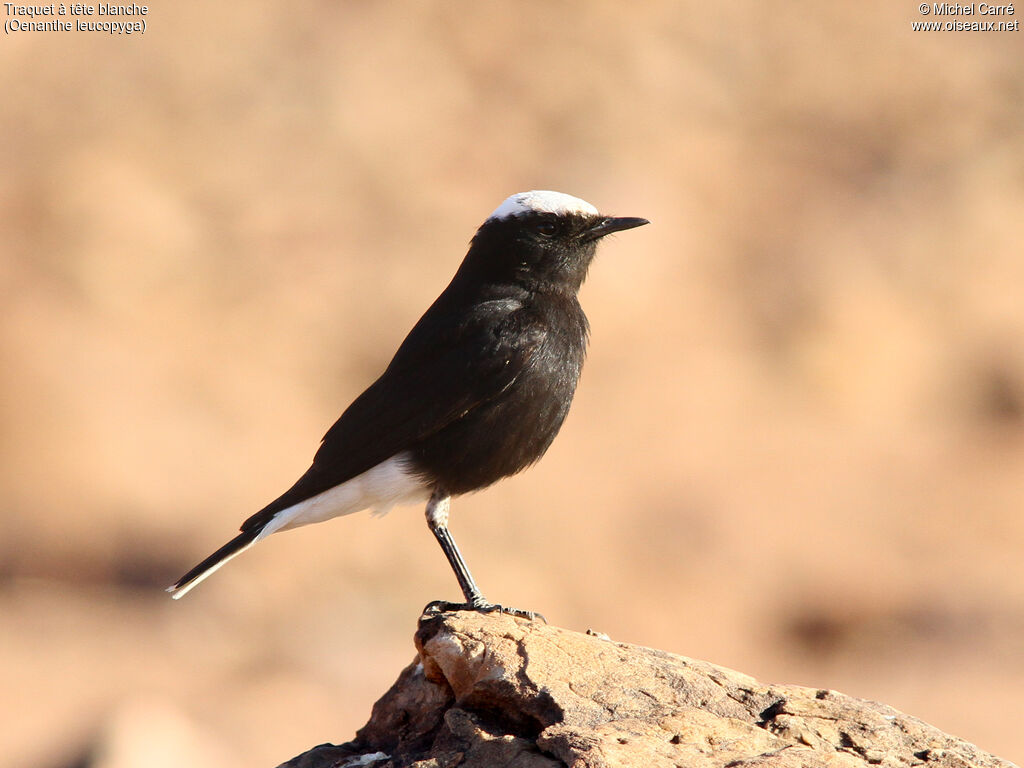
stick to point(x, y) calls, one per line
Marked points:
point(542, 201)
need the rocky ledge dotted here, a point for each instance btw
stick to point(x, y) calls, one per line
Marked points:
point(491, 691)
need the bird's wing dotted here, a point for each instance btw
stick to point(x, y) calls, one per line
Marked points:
point(435, 378)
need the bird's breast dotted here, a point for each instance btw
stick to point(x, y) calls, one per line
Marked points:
point(508, 433)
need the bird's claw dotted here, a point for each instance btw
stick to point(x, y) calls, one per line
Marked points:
point(481, 606)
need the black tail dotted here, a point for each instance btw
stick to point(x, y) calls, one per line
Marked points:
point(242, 541)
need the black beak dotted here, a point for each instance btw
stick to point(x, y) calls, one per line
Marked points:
point(611, 224)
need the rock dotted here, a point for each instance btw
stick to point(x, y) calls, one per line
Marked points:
point(491, 691)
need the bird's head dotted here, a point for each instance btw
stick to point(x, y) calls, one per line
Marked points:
point(541, 239)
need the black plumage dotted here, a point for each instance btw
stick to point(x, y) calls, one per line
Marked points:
point(478, 389)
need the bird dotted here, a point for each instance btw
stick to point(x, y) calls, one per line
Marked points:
point(476, 392)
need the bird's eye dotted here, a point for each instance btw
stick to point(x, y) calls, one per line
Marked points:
point(546, 229)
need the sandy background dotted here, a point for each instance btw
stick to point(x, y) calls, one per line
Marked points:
point(797, 448)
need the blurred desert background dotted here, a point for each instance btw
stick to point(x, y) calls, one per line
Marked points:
point(797, 448)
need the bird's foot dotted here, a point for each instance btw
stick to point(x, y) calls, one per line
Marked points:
point(481, 606)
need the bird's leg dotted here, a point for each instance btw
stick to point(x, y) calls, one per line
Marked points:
point(437, 518)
